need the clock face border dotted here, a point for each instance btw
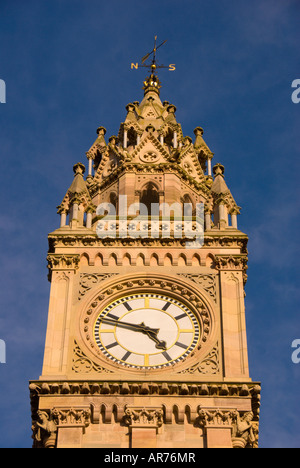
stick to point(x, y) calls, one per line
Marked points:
point(115, 288)
point(110, 336)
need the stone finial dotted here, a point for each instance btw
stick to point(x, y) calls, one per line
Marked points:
point(218, 169)
point(79, 168)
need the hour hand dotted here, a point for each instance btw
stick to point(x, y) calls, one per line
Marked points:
point(150, 332)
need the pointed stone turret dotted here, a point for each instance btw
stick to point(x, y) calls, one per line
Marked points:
point(224, 203)
point(77, 201)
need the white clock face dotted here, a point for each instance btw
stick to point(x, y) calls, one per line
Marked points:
point(146, 331)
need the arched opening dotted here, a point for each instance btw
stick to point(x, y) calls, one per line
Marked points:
point(113, 199)
point(187, 206)
point(149, 197)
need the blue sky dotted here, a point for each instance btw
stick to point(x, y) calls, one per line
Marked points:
point(66, 65)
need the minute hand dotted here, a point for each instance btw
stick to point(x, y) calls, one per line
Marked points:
point(150, 332)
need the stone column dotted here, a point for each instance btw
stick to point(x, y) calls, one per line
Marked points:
point(125, 139)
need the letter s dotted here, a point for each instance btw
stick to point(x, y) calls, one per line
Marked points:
point(296, 93)
point(296, 353)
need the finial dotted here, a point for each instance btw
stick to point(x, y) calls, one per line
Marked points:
point(218, 169)
point(79, 168)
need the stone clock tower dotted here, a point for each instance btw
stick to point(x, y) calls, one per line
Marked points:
point(146, 337)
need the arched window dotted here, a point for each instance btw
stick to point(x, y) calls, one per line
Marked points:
point(113, 199)
point(187, 205)
point(150, 196)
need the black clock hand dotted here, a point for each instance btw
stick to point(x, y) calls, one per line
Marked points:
point(150, 332)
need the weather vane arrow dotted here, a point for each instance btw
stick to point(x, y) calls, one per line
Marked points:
point(153, 66)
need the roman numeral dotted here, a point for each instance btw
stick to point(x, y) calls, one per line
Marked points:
point(127, 306)
point(166, 306)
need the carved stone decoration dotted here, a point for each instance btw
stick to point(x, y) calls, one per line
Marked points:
point(138, 416)
point(83, 365)
point(206, 282)
point(209, 365)
point(44, 431)
point(89, 280)
point(244, 434)
point(149, 157)
point(232, 262)
point(72, 416)
point(58, 262)
point(244, 431)
point(215, 417)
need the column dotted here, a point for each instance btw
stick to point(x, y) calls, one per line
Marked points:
point(89, 219)
point(234, 220)
point(207, 220)
point(175, 140)
point(209, 167)
point(63, 218)
point(125, 139)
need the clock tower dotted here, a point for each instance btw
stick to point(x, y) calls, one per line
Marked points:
point(146, 336)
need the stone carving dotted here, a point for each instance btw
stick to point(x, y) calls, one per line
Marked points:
point(83, 365)
point(71, 416)
point(209, 365)
point(206, 282)
point(243, 432)
point(44, 431)
point(215, 417)
point(89, 280)
point(143, 417)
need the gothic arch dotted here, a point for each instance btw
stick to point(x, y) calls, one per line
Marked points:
point(112, 259)
point(126, 260)
point(181, 260)
point(140, 259)
point(84, 259)
point(99, 259)
point(196, 260)
point(154, 260)
point(168, 260)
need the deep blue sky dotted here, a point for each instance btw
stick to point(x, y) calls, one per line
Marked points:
point(66, 65)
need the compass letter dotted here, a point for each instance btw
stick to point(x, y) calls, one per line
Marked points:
point(134, 65)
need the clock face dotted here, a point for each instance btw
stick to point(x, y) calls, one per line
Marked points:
point(149, 331)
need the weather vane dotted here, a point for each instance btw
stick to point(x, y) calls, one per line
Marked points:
point(153, 65)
